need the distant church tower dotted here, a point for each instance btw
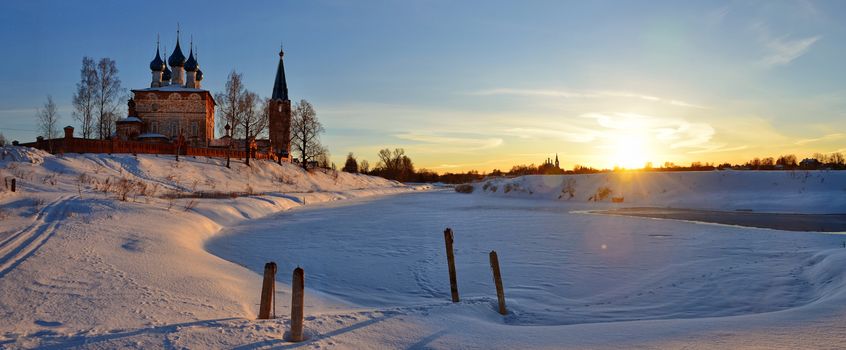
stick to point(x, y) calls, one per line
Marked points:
point(280, 113)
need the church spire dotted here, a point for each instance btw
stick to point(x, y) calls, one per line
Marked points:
point(280, 85)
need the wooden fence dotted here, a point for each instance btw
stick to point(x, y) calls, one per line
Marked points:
point(78, 145)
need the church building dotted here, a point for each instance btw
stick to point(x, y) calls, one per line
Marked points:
point(280, 113)
point(174, 105)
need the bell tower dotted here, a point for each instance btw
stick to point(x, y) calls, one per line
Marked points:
point(280, 113)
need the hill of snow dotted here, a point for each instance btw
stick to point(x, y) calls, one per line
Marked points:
point(769, 191)
point(94, 244)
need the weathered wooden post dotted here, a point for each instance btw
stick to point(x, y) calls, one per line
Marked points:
point(500, 293)
point(14, 184)
point(453, 280)
point(297, 296)
point(268, 290)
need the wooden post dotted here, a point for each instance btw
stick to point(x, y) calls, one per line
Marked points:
point(453, 280)
point(13, 184)
point(500, 294)
point(297, 296)
point(268, 290)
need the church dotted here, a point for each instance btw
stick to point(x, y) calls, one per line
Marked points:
point(175, 107)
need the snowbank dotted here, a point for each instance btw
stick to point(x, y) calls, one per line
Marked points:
point(770, 191)
point(97, 248)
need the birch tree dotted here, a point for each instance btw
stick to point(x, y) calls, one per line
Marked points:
point(84, 97)
point(48, 119)
point(305, 133)
point(230, 105)
point(107, 96)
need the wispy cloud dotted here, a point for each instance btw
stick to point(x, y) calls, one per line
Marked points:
point(583, 94)
point(672, 132)
point(719, 149)
point(458, 143)
point(782, 49)
point(607, 128)
point(568, 134)
point(828, 137)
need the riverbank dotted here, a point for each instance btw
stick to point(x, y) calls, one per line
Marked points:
point(775, 221)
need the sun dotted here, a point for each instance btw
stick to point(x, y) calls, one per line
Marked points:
point(630, 151)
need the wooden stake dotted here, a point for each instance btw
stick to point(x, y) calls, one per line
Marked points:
point(500, 293)
point(268, 290)
point(453, 279)
point(297, 296)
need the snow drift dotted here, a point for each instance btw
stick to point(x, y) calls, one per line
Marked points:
point(771, 191)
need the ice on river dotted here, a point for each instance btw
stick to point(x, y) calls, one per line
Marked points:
point(558, 266)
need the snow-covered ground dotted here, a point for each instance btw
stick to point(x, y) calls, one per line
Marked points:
point(794, 191)
point(79, 267)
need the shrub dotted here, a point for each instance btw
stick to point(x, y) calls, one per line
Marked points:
point(601, 193)
point(569, 189)
point(464, 188)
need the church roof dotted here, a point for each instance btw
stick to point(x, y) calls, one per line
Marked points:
point(157, 65)
point(150, 135)
point(280, 85)
point(130, 119)
point(177, 59)
point(172, 88)
point(166, 75)
point(191, 65)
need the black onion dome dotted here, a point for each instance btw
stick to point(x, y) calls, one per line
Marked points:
point(199, 75)
point(191, 65)
point(177, 59)
point(167, 74)
point(157, 65)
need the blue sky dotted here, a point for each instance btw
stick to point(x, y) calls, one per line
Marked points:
point(479, 85)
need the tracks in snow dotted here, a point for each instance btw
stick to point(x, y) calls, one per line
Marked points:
point(20, 245)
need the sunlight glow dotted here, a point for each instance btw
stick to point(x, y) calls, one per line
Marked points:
point(630, 151)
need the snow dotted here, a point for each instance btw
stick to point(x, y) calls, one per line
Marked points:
point(794, 191)
point(129, 119)
point(81, 268)
point(147, 135)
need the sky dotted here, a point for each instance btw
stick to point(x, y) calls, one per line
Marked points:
point(480, 85)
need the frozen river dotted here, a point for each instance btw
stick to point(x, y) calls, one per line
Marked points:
point(558, 267)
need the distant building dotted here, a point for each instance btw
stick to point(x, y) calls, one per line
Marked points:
point(175, 103)
point(809, 163)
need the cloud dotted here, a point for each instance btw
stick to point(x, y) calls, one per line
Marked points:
point(583, 94)
point(461, 143)
point(828, 137)
point(566, 135)
point(719, 149)
point(672, 132)
point(605, 129)
point(782, 49)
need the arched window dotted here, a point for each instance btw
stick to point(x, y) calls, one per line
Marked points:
point(195, 129)
point(154, 127)
point(174, 128)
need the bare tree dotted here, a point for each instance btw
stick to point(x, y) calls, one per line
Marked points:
point(107, 96)
point(364, 166)
point(254, 118)
point(836, 158)
point(84, 97)
point(2, 140)
point(394, 164)
point(305, 133)
point(48, 119)
point(230, 105)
